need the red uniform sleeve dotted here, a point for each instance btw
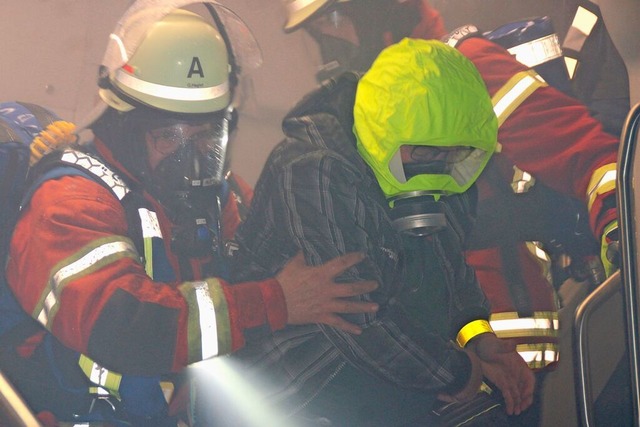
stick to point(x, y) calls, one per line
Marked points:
point(550, 135)
point(73, 268)
point(431, 24)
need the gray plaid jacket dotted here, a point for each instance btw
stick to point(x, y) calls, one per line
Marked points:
point(317, 195)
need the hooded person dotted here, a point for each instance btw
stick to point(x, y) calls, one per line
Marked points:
point(120, 255)
point(411, 135)
point(553, 182)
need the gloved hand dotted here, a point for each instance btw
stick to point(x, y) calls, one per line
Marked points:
point(610, 248)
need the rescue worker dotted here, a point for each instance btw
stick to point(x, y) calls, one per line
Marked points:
point(549, 140)
point(385, 164)
point(119, 257)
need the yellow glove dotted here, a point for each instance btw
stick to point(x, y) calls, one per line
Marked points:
point(610, 248)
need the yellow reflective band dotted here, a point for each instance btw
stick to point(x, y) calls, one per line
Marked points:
point(105, 378)
point(602, 181)
point(471, 330)
point(93, 257)
point(172, 92)
point(296, 5)
point(514, 92)
point(537, 51)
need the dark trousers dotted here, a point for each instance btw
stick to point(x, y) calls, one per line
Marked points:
point(355, 399)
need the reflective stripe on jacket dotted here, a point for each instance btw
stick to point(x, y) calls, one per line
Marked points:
point(554, 139)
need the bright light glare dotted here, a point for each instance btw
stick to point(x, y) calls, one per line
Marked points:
point(222, 377)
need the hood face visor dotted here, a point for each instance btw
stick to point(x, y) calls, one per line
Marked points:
point(439, 170)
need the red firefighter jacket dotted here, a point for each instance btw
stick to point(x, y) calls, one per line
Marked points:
point(552, 137)
point(74, 267)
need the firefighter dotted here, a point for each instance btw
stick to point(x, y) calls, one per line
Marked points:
point(119, 256)
point(551, 148)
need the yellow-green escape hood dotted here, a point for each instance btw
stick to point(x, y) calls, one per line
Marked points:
point(423, 92)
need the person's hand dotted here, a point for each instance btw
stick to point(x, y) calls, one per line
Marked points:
point(473, 384)
point(312, 295)
point(505, 368)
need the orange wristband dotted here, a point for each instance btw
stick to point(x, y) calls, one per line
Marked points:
point(472, 329)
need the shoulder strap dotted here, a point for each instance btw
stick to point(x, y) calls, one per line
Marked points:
point(455, 37)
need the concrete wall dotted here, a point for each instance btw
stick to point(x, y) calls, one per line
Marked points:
point(51, 50)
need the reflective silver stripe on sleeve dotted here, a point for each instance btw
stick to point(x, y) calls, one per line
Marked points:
point(603, 180)
point(86, 263)
point(523, 324)
point(207, 317)
point(506, 101)
point(547, 356)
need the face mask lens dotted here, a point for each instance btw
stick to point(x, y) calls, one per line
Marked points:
point(434, 160)
point(188, 154)
point(166, 141)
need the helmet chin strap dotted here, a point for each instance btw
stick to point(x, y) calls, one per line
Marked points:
point(418, 213)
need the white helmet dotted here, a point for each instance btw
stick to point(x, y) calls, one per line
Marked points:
point(162, 56)
point(181, 66)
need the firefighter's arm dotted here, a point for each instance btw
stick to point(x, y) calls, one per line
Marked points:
point(83, 280)
point(601, 203)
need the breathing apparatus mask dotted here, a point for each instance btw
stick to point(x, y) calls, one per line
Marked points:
point(187, 171)
point(423, 212)
point(425, 125)
point(167, 84)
